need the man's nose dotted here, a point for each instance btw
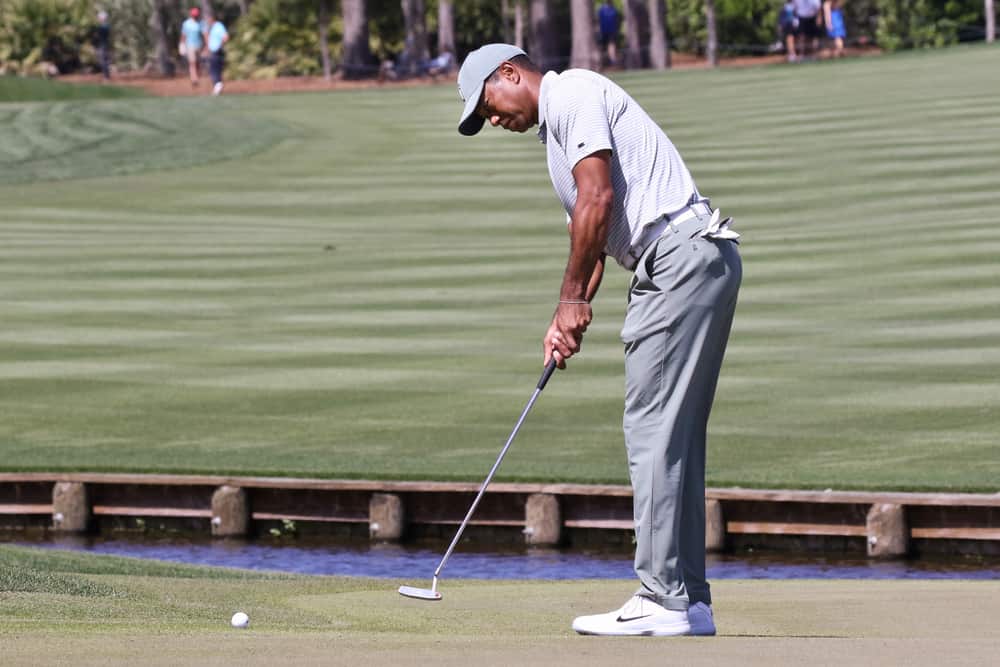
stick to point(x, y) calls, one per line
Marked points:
point(494, 120)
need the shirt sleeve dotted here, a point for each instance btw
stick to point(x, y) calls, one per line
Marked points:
point(578, 120)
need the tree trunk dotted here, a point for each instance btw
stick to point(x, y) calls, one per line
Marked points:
point(505, 21)
point(636, 27)
point(415, 52)
point(519, 24)
point(712, 38)
point(446, 26)
point(659, 49)
point(991, 21)
point(584, 52)
point(356, 59)
point(323, 18)
point(158, 26)
point(542, 44)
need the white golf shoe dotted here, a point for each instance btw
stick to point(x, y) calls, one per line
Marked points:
point(701, 620)
point(639, 616)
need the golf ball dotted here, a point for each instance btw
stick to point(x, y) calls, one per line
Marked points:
point(240, 620)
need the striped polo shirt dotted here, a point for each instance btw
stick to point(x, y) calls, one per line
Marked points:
point(581, 112)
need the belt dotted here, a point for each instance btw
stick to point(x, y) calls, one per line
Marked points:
point(656, 230)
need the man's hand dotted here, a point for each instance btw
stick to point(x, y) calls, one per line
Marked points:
point(565, 334)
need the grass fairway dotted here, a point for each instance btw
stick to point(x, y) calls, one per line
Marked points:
point(89, 610)
point(30, 89)
point(366, 297)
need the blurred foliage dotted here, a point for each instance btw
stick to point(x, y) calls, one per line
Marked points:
point(926, 23)
point(44, 37)
point(131, 38)
point(743, 25)
point(281, 37)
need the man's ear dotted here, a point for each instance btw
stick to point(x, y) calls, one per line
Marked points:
point(510, 72)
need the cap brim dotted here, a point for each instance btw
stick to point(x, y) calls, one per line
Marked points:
point(472, 122)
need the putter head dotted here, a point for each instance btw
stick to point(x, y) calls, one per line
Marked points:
point(419, 593)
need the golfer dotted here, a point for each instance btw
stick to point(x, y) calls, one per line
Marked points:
point(629, 196)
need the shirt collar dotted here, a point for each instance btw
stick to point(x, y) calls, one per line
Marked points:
point(543, 93)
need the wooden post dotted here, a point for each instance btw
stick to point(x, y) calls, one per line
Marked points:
point(542, 520)
point(386, 517)
point(715, 527)
point(230, 512)
point(888, 532)
point(71, 511)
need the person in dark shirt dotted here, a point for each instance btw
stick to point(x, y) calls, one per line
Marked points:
point(609, 21)
point(102, 44)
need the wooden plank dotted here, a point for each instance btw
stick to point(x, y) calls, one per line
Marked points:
point(956, 533)
point(857, 497)
point(603, 524)
point(472, 522)
point(776, 528)
point(318, 484)
point(278, 516)
point(768, 495)
point(26, 509)
point(168, 512)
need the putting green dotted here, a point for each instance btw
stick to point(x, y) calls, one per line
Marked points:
point(182, 618)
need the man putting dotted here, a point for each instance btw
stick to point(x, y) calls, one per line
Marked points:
point(628, 195)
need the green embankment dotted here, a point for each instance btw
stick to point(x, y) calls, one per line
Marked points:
point(366, 298)
point(28, 89)
point(91, 610)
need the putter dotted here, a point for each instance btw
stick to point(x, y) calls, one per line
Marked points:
point(432, 592)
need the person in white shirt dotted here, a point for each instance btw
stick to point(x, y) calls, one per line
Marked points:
point(628, 194)
point(810, 26)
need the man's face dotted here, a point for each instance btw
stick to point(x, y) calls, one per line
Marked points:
point(506, 102)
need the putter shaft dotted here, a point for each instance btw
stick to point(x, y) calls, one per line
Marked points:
point(546, 374)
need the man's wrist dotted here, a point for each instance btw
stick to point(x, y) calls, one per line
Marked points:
point(574, 301)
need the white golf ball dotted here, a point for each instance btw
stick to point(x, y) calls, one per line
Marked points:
point(240, 620)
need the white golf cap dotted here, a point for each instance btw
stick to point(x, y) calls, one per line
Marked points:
point(478, 66)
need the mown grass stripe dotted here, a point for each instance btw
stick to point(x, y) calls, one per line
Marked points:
point(367, 297)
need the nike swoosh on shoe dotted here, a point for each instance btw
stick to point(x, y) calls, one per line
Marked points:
point(632, 618)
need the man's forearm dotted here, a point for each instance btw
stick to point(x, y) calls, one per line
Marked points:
point(588, 235)
point(595, 278)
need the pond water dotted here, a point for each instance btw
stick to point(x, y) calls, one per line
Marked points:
point(392, 561)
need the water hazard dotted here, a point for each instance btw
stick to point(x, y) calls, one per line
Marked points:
point(392, 561)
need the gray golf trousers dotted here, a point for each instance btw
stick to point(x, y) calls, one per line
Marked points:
point(681, 303)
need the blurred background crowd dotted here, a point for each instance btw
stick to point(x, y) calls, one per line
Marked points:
point(403, 38)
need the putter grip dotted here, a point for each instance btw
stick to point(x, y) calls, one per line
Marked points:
point(546, 374)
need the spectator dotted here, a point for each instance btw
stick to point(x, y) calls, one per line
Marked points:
point(835, 28)
point(788, 26)
point(192, 42)
point(807, 12)
point(102, 43)
point(609, 20)
point(443, 64)
point(216, 37)
point(387, 68)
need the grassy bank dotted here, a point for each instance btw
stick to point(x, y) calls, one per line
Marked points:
point(366, 298)
point(31, 89)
